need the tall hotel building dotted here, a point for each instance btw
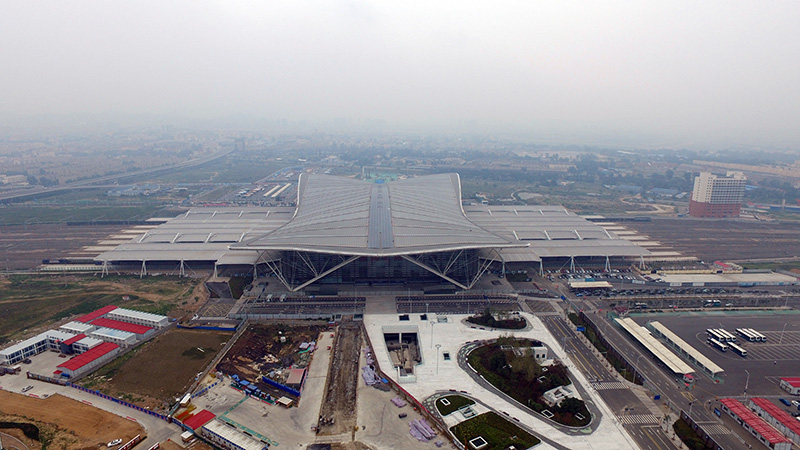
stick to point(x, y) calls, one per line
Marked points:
point(717, 196)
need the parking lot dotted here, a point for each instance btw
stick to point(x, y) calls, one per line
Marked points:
point(766, 361)
point(43, 364)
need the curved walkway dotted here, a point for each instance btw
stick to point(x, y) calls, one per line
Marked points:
point(10, 442)
point(593, 410)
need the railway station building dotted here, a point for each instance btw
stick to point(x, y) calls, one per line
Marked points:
point(344, 230)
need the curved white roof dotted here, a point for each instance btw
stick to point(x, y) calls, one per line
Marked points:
point(353, 217)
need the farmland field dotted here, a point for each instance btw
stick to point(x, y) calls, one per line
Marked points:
point(31, 301)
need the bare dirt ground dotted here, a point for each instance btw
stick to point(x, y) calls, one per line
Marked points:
point(711, 240)
point(161, 369)
point(339, 402)
point(196, 445)
point(260, 351)
point(77, 425)
point(25, 246)
point(350, 446)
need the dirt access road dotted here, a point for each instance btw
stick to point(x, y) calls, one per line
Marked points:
point(78, 425)
point(339, 402)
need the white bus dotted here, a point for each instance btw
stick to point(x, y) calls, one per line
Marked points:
point(719, 345)
point(745, 333)
point(761, 337)
point(714, 333)
point(729, 337)
point(738, 350)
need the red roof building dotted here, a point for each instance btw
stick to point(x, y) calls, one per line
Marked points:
point(199, 419)
point(295, 377)
point(90, 359)
point(95, 314)
point(74, 339)
point(791, 385)
point(124, 326)
point(777, 417)
point(756, 425)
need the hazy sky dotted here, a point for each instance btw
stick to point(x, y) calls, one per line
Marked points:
point(671, 72)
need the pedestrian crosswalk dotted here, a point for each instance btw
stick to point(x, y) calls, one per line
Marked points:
point(716, 429)
point(637, 419)
point(609, 385)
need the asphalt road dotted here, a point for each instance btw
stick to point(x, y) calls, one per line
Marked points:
point(643, 426)
point(673, 391)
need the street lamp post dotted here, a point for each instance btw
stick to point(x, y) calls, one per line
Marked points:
point(747, 381)
point(783, 331)
point(432, 324)
point(437, 358)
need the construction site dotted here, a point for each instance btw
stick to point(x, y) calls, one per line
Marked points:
point(338, 412)
point(272, 351)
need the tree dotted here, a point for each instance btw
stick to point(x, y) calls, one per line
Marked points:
point(572, 406)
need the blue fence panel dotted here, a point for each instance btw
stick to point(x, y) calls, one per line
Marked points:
point(280, 386)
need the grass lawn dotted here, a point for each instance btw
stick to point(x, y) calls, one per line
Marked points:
point(523, 379)
point(498, 432)
point(456, 402)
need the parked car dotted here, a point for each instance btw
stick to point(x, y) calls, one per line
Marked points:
point(114, 442)
point(27, 388)
point(786, 402)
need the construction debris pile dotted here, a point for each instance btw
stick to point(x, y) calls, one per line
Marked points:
point(421, 430)
point(369, 375)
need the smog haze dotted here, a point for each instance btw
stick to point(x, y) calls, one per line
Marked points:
point(691, 74)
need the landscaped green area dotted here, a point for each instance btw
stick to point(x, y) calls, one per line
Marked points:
point(29, 301)
point(619, 365)
point(498, 432)
point(504, 321)
point(687, 435)
point(510, 367)
point(237, 285)
point(450, 403)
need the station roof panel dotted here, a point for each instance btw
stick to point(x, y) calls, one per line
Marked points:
point(343, 215)
point(641, 334)
point(701, 359)
point(339, 215)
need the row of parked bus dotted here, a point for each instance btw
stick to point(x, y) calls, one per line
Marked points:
point(723, 340)
point(751, 335)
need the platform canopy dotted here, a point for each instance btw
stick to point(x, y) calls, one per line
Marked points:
point(353, 217)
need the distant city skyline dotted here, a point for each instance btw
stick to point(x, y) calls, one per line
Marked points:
point(680, 74)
